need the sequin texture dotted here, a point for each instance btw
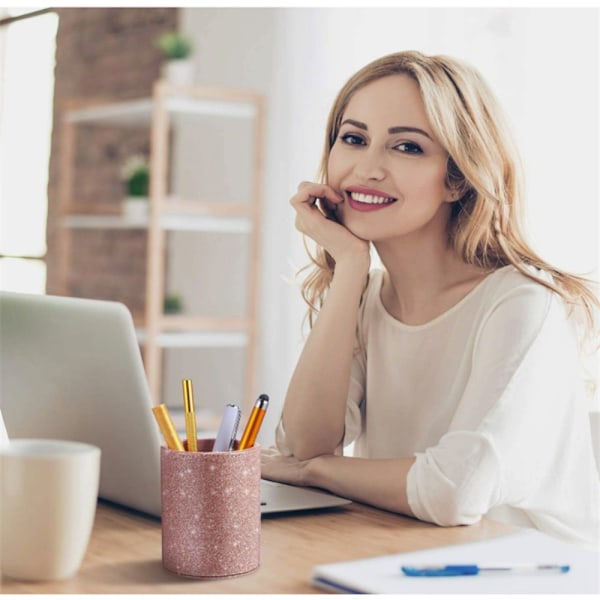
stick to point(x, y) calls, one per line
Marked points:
point(210, 511)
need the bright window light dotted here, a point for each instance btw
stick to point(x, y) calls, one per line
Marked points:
point(23, 275)
point(27, 55)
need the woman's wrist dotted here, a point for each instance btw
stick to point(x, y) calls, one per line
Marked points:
point(315, 471)
point(358, 260)
point(353, 268)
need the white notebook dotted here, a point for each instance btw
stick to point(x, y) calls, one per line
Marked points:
point(383, 575)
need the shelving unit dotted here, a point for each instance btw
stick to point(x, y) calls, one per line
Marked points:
point(170, 213)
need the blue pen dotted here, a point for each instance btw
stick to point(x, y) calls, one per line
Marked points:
point(461, 570)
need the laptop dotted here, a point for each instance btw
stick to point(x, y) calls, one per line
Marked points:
point(72, 369)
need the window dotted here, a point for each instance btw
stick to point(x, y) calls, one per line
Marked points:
point(27, 54)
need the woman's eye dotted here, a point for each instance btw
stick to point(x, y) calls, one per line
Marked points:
point(352, 139)
point(409, 148)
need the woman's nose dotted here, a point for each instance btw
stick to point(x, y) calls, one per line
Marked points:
point(370, 165)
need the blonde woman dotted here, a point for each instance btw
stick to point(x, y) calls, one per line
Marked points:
point(456, 369)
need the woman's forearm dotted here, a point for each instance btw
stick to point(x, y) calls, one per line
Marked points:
point(379, 482)
point(315, 405)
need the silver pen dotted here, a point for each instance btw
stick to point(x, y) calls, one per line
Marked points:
point(228, 429)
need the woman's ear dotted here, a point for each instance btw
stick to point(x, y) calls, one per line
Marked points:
point(453, 194)
point(456, 184)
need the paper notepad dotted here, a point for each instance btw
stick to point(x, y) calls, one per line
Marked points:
point(382, 575)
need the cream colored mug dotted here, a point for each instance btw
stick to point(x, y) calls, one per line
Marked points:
point(48, 496)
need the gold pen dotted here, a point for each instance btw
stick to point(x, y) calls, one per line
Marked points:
point(254, 422)
point(190, 416)
point(163, 418)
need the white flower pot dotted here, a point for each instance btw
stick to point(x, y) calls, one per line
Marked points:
point(179, 72)
point(135, 208)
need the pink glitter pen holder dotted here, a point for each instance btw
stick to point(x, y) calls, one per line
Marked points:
point(210, 511)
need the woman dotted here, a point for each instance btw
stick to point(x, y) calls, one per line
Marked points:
point(456, 369)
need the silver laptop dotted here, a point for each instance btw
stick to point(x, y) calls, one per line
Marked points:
point(72, 369)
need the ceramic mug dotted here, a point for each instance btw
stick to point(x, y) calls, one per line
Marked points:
point(48, 496)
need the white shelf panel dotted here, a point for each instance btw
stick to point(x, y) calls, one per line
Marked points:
point(213, 108)
point(130, 112)
point(207, 223)
point(169, 222)
point(197, 339)
point(139, 112)
point(105, 222)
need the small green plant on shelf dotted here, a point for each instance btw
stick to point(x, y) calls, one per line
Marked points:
point(175, 46)
point(135, 173)
point(172, 305)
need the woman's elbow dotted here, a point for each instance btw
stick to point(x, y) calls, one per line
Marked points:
point(456, 510)
point(305, 445)
point(457, 482)
point(305, 450)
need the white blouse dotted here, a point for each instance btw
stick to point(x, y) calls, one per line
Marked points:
point(489, 398)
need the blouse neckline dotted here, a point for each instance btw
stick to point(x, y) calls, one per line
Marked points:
point(442, 316)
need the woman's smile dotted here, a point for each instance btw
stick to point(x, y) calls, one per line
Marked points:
point(366, 200)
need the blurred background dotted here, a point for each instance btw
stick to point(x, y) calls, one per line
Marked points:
point(64, 227)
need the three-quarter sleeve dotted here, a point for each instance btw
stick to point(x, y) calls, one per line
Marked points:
point(355, 402)
point(515, 429)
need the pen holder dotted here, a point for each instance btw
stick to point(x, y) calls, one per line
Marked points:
point(210, 511)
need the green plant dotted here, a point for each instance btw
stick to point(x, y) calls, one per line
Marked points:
point(172, 304)
point(174, 45)
point(136, 175)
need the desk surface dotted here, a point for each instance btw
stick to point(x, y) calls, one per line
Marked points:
point(124, 554)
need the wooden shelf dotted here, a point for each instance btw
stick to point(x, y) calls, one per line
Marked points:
point(166, 212)
point(196, 339)
point(183, 322)
point(175, 215)
point(139, 112)
point(130, 112)
point(168, 222)
point(187, 331)
point(208, 421)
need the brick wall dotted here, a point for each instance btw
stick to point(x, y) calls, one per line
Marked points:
point(102, 53)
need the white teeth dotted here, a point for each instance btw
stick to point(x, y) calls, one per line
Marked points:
point(370, 199)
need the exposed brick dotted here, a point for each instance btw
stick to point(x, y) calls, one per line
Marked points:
point(111, 54)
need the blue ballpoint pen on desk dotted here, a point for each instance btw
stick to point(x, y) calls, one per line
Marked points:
point(472, 569)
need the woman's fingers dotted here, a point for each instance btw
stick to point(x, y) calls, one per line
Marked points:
point(315, 206)
point(309, 193)
point(314, 201)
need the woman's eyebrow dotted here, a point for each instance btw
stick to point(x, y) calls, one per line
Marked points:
point(398, 129)
point(401, 129)
point(357, 124)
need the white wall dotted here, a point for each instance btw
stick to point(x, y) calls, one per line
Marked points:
point(232, 48)
point(542, 63)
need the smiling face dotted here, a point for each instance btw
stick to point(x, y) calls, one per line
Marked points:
point(387, 165)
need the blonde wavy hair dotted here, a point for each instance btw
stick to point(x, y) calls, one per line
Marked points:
point(483, 166)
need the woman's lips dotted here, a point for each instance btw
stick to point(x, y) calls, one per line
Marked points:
point(368, 200)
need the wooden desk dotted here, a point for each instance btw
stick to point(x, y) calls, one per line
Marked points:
point(124, 555)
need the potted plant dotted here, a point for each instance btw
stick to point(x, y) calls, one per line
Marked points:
point(172, 304)
point(135, 174)
point(177, 49)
